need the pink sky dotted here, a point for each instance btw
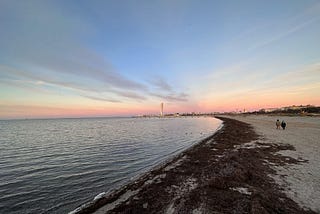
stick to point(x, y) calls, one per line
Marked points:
point(115, 59)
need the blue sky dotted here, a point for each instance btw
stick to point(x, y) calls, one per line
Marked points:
point(117, 57)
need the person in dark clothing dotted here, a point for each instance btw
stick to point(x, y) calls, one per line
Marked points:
point(283, 125)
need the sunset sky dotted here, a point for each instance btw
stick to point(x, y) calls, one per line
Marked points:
point(109, 58)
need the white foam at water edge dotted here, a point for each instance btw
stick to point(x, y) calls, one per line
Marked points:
point(219, 127)
point(100, 195)
point(78, 209)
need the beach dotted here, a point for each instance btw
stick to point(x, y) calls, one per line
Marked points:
point(240, 169)
point(301, 182)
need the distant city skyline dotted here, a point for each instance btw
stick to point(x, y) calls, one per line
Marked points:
point(122, 58)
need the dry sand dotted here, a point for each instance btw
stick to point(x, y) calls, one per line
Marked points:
point(301, 182)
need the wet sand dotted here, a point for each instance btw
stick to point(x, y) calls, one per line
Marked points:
point(232, 171)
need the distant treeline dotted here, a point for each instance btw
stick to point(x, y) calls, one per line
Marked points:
point(297, 110)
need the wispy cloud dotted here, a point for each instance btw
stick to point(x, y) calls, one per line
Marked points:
point(129, 94)
point(87, 65)
point(288, 26)
point(292, 29)
point(163, 90)
point(25, 85)
point(33, 51)
point(100, 98)
point(302, 80)
point(64, 60)
point(160, 84)
point(35, 81)
point(181, 97)
point(99, 91)
point(303, 75)
point(19, 74)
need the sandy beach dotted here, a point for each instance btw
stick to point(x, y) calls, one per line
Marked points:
point(301, 182)
point(246, 167)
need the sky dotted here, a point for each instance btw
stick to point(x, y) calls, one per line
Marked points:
point(118, 58)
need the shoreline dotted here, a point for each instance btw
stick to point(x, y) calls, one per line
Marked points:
point(299, 181)
point(226, 172)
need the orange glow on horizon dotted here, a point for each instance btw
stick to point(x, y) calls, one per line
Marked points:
point(20, 111)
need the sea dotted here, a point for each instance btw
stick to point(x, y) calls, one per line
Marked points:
point(56, 165)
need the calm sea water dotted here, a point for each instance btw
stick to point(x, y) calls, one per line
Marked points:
point(53, 166)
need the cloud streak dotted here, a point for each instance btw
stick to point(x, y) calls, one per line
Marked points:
point(284, 34)
point(289, 26)
point(64, 60)
point(100, 98)
point(160, 84)
point(163, 90)
point(180, 97)
point(94, 92)
point(32, 80)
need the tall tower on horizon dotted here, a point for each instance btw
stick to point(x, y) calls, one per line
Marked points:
point(161, 110)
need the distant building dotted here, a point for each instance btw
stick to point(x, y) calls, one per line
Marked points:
point(161, 110)
point(270, 109)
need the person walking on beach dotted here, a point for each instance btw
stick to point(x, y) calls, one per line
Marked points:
point(278, 124)
point(283, 125)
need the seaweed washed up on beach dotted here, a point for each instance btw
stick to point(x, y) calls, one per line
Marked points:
point(229, 172)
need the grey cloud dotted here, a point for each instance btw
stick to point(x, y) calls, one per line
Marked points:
point(52, 42)
point(61, 59)
point(88, 65)
point(161, 84)
point(165, 91)
point(283, 34)
point(25, 85)
point(181, 97)
point(81, 89)
point(18, 74)
point(101, 98)
point(78, 62)
point(129, 94)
